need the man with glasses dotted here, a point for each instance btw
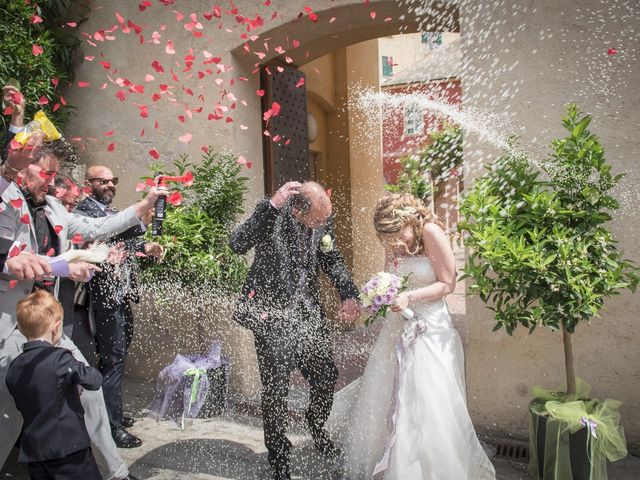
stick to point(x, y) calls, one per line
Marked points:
point(108, 303)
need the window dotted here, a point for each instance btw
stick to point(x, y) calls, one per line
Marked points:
point(413, 120)
point(432, 40)
point(387, 66)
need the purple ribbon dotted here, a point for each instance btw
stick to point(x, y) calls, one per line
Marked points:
point(591, 425)
point(409, 337)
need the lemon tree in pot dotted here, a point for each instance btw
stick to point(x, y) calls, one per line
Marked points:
point(540, 255)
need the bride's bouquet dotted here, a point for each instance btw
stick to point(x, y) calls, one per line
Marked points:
point(380, 292)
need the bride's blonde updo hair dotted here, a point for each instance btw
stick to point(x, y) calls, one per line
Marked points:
point(397, 210)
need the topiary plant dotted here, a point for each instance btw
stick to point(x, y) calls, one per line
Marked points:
point(539, 253)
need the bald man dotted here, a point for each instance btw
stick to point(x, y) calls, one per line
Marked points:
point(292, 234)
point(108, 301)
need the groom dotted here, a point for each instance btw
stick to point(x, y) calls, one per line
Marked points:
point(293, 237)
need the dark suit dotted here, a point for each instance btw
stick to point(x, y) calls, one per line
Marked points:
point(5, 245)
point(109, 306)
point(280, 304)
point(43, 381)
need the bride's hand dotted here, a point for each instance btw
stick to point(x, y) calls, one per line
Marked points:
point(401, 303)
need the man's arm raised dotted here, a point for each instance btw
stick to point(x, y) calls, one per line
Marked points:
point(105, 227)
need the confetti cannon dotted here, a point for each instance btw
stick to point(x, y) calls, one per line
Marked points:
point(161, 202)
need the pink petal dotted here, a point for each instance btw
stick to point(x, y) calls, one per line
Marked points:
point(175, 199)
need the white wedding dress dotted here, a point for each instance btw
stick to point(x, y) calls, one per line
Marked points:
point(406, 418)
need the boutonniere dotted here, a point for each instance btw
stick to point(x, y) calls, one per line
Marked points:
point(326, 244)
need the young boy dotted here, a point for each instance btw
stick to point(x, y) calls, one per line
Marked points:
point(43, 381)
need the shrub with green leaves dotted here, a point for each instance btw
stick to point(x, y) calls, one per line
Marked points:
point(35, 73)
point(539, 254)
point(196, 232)
point(436, 162)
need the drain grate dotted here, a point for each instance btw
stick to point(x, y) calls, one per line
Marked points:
point(512, 450)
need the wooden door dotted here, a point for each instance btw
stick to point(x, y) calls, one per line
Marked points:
point(286, 150)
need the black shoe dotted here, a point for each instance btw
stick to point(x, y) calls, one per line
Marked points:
point(281, 474)
point(324, 444)
point(127, 422)
point(124, 439)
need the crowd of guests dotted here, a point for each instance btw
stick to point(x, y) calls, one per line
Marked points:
point(64, 332)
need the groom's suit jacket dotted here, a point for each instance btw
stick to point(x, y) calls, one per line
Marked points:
point(23, 231)
point(283, 260)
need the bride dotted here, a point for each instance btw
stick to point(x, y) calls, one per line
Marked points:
point(406, 418)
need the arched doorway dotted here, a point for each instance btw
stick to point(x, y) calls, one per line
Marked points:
point(326, 67)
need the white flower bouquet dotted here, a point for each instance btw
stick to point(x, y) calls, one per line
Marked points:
point(380, 292)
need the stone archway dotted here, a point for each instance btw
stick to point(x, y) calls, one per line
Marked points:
point(339, 27)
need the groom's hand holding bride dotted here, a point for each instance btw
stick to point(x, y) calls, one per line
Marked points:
point(349, 311)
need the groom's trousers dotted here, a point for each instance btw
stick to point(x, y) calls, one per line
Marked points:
point(301, 342)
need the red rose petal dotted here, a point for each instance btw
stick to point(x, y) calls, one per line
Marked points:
point(154, 153)
point(175, 199)
point(77, 239)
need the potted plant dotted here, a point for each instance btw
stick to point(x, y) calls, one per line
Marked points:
point(196, 227)
point(541, 256)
